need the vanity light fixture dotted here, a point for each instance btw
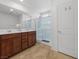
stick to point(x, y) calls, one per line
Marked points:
point(21, 0)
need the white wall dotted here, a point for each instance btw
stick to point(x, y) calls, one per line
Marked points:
point(38, 6)
point(75, 4)
point(8, 21)
point(54, 6)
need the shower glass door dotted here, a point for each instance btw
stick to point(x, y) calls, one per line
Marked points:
point(44, 29)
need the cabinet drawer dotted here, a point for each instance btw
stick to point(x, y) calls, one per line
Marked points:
point(7, 36)
point(31, 42)
point(24, 40)
point(32, 33)
point(24, 37)
point(17, 34)
point(24, 45)
point(24, 34)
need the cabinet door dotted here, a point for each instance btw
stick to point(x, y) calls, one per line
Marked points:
point(17, 43)
point(24, 41)
point(31, 38)
point(6, 48)
point(34, 37)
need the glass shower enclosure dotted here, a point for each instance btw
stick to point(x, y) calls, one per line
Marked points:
point(44, 29)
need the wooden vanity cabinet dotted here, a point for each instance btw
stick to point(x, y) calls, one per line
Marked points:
point(24, 40)
point(10, 44)
point(31, 38)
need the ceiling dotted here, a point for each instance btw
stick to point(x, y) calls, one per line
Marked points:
point(35, 6)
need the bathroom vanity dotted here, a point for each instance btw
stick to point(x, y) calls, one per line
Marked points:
point(17, 31)
point(13, 43)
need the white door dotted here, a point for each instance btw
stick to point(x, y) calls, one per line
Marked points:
point(66, 41)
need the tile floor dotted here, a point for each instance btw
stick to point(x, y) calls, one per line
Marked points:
point(40, 51)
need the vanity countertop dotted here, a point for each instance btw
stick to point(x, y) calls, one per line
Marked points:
point(9, 31)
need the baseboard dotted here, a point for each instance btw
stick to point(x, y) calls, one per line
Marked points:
point(52, 48)
point(68, 55)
